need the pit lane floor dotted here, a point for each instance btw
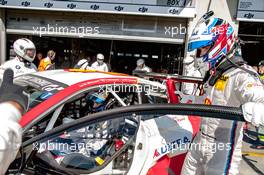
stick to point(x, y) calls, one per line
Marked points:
point(253, 159)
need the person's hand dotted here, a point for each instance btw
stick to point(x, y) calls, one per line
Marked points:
point(253, 113)
point(14, 94)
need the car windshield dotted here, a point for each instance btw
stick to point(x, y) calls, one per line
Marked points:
point(37, 96)
point(39, 89)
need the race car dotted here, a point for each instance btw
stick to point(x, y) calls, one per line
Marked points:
point(140, 139)
point(62, 97)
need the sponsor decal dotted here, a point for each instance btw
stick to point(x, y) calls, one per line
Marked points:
point(221, 83)
point(250, 85)
point(46, 95)
point(170, 147)
point(207, 101)
point(39, 83)
point(149, 7)
point(119, 8)
point(48, 5)
point(99, 160)
point(18, 67)
point(178, 118)
point(52, 87)
point(249, 15)
point(25, 3)
point(194, 38)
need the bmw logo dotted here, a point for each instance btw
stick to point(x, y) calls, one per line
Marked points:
point(18, 67)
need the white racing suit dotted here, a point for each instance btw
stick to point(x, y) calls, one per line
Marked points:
point(218, 144)
point(19, 67)
point(190, 70)
point(102, 67)
point(10, 135)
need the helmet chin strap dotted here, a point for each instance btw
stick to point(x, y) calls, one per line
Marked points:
point(27, 63)
point(20, 58)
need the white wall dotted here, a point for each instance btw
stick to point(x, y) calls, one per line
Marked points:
point(2, 36)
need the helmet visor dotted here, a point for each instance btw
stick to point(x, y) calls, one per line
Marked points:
point(31, 53)
point(198, 44)
point(96, 99)
point(201, 52)
point(100, 61)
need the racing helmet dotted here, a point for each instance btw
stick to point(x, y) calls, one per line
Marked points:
point(82, 64)
point(97, 101)
point(100, 58)
point(261, 63)
point(213, 39)
point(25, 49)
point(140, 62)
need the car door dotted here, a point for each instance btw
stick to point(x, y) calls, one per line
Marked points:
point(130, 140)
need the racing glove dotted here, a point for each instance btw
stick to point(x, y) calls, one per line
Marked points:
point(11, 92)
point(253, 113)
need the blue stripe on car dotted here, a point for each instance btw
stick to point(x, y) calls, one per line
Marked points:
point(230, 152)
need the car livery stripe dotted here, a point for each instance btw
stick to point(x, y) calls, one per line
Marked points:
point(171, 88)
point(96, 71)
point(44, 106)
point(231, 151)
point(41, 83)
point(195, 122)
point(168, 165)
point(173, 98)
point(49, 80)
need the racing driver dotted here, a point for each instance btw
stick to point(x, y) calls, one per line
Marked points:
point(228, 82)
point(25, 51)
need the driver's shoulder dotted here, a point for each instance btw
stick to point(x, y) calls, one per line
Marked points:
point(33, 66)
point(12, 64)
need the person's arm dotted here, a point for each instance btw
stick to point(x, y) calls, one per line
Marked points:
point(250, 91)
point(93, 65)
point(249, 88)
point(34, 67)
point(150, 70)
point(13, 103)
point(10, 133)
point(106, 69)
point(50, 67)
point(3, 67)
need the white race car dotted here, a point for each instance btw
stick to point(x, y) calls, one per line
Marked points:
point(63, 134)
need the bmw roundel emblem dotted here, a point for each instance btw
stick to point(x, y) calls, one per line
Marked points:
point(18, 67)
